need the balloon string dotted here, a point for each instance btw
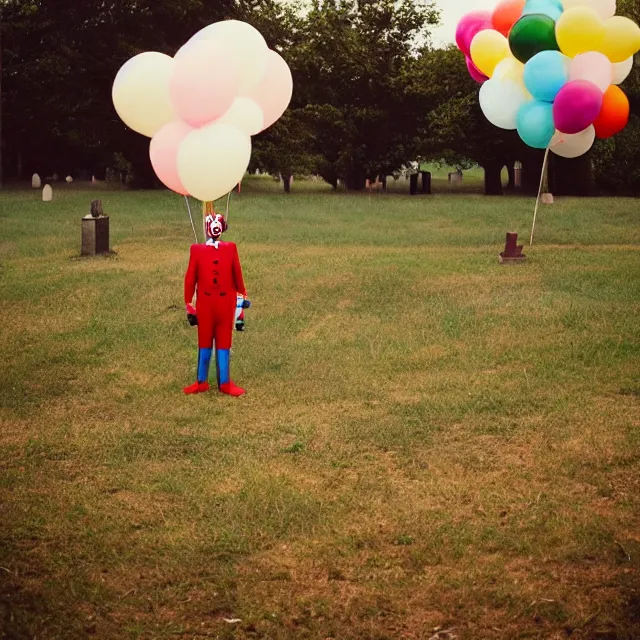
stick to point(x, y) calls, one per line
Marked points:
point(227, 212)
point(535, 213)
point(191, 218)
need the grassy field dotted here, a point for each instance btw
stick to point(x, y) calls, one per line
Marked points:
point(432, 445)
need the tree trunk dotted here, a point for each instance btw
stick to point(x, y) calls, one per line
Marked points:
point(532, 171)
point(330, 178)
point(356, 179)
point(493, 179)
point(286, 181)
point(572, 177)
point(512, 176)
point(1, 158)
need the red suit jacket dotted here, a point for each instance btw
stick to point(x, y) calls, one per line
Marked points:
point(217, 276)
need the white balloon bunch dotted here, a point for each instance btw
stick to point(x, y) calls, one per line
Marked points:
point(202, 106)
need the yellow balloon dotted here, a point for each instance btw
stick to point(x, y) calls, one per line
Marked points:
point(488, 49)
point(141, 93)
point(579, 30)
point(510, 69)
point(621, 39)
point(212, 160)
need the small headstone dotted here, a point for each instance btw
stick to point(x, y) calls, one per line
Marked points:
point(512, 253)
point(36, 182)
point(47, 193)
point(547, 198)
point(55, 177)
point(95, 231)
point(69, 179)
point(93, 180)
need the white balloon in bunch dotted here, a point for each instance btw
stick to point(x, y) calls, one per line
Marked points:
point(141, 92)
point(604, 8)
point(501, 99)
point(621, 70)
point(246, 115)
point(246, 43)
point(212, 160)
point(574, 145)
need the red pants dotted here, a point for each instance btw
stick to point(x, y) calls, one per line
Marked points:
point(216, 321)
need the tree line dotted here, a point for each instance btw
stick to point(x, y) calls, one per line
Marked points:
point(371, 93)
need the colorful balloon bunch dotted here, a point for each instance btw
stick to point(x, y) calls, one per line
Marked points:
point(201, 107)
point(551, 69)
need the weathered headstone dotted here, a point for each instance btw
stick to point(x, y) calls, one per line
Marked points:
point(426, 181)
point(36, 182)
point(69, 179)
point(47, 193)
point(547, 198)
point(517, 175)
point(512, 253)
point(93, 180)
point(95, 231)
point(413, 184)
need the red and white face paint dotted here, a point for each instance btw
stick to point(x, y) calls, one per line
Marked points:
point(215, 225)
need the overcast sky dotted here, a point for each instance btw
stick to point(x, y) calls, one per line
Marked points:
point(452, 11)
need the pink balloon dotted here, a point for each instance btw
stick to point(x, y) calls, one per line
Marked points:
point(577, 106)
point(163, 152)
point(273, 93)
point(474, 72)
point(469, 26)
point(594, 67)
point(204, 83)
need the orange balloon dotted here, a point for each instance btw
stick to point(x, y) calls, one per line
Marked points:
point(614, 115)
point(507, 13)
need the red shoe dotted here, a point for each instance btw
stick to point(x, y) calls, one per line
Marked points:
point(197, 387)
point(231, 389)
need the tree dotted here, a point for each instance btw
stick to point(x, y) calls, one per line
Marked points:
point(61, 57)
point(453, 127)
point(348, 66)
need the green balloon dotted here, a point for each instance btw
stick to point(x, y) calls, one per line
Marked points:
point(531, 35)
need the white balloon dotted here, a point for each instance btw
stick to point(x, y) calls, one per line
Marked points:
point(141, 93)
point(573, 145)
point(604, 8)
point(500, 101)
point(213, 160)
point(244, 114)
point(621, 70)
point(249, 48)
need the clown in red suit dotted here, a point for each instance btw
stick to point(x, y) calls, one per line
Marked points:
point(215, 273)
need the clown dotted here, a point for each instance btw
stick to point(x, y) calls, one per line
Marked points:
point(214, 270)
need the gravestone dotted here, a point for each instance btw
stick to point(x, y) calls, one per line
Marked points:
point(47, 193)
point(69, 179)
point(512, 253)
point(517, 175)
point(426, 182)
point(95, 231)
point(413, 184)
point(36, 182)
point(547, 198)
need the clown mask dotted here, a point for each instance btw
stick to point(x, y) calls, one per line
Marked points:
point(215, 225)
